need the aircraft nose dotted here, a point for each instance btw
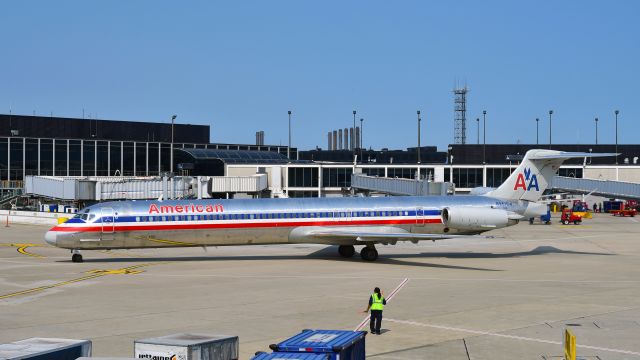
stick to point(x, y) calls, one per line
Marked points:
point(50, 237)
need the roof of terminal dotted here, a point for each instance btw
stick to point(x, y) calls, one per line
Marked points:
point(238, 156)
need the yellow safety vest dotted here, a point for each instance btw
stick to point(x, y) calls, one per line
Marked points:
point(376, 302)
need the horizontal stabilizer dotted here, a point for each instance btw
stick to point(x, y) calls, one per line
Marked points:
point(569, 155)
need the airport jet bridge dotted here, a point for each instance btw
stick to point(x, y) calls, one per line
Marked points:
point(605, 188)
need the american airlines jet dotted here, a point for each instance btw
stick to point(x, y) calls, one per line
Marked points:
point(346, 222)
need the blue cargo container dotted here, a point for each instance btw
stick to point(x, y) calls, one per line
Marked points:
point(290, 355)
point(339, 344)
point(611, 205)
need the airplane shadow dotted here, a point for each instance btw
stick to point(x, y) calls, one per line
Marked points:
point(330, 254)
point(540, 250)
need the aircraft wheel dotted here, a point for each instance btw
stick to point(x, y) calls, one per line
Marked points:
point(76, 258)
point(369, 254)
point(346, 251)
point(531, 221)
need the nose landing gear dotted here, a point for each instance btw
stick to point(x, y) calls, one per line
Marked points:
point(76, 257)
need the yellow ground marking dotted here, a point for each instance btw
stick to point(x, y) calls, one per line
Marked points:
point(22, 249)
point(92, 275)
point(572, 226)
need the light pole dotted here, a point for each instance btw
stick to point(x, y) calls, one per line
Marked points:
point(361, 139)
point(596, 131)
point(418, 112)
point(289, 147)
point(354, 134)
point(450, 160)
point(173, 118)
point(616, 112)
point(537, 123)
point(484, 137)
point(478, 130)
point(550, 113)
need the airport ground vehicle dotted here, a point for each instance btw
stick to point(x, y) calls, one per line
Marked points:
point(346, 222)
point(624, 212)
point(621, 208)
point(545, 218)
point(568, 216)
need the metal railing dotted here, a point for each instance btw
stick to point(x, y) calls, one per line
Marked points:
point(9, 195)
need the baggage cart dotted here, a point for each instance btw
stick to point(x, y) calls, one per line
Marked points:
point(291, 355)
point(339, 344)
point(189, 346)
point(45, 348)
point(105, 358)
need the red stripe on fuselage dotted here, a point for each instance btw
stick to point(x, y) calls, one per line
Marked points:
point(196, 226)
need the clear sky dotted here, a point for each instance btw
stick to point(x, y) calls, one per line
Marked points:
point(240, 65)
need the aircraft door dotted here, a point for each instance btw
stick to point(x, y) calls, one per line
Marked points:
point(108, 224)
point(420, 216)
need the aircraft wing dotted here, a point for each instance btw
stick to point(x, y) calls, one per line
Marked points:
point(370, 234)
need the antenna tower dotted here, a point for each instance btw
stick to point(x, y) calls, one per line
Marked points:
point(460, 116)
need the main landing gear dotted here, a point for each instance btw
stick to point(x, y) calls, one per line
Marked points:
point(369, 253)
point(346, 251)
point(76, 257)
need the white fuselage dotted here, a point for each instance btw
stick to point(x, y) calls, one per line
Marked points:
point(154, 224)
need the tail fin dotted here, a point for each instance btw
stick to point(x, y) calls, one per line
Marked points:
point(532, 177)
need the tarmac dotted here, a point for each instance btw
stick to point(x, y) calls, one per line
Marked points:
point(510, 297)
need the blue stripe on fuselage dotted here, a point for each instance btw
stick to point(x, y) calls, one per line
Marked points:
point(261, 216)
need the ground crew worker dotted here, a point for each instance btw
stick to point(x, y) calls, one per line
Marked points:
point(376, 305)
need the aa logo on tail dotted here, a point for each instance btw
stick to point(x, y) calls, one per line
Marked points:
point(526, 181)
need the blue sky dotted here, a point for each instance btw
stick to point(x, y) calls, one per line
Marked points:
point(239, 66)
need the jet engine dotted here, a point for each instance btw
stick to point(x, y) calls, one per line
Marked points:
point(476, 219)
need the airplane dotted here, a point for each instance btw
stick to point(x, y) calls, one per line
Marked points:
point(346, 222)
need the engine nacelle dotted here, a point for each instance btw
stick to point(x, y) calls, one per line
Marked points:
point(476, 219)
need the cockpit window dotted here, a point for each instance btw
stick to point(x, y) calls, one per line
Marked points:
point(83, 214)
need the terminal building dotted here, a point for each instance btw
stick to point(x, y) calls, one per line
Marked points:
point(66, 147)
point(52, 146)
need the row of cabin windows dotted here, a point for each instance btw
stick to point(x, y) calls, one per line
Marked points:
point(271, 216)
